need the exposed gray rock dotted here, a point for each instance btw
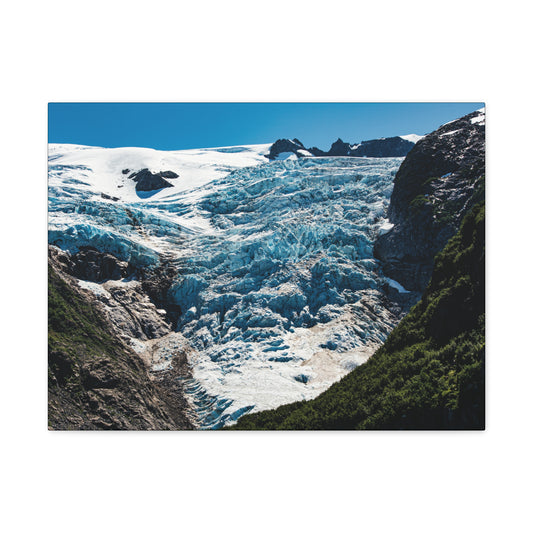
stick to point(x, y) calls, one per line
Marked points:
point(156, 283)
point(131, 312)
point(95, 381)
point(441, 178)
point(387, 147)
point(91, 265)
point(317, 152)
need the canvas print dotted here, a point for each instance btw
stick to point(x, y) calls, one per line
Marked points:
point(266, 266)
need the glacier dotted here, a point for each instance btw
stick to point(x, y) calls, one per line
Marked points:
point(279, 292)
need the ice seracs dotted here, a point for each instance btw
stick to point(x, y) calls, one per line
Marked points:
point(279, 290)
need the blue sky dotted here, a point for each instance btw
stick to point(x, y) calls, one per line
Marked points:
point(176, 126)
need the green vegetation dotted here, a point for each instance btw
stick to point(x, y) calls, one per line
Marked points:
point(429, 181)
point(479, 190)
point(430, 373)
point(77, 333)
point(418, 202)
point(73, 325)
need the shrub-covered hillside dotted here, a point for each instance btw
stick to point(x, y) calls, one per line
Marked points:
point(430, 373)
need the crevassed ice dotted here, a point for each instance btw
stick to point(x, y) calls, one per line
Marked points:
point(284, 297)
point(279, 290)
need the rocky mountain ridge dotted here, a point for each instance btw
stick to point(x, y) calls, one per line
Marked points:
point(441, 178)
point(386, 147)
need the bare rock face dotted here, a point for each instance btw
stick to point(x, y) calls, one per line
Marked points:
point(95, 380)
point(131, 311)
point(156, 284)
point(339, 148)
point(91, 265)
point(285, 145)
point(388, 147)
point(148, 181)
point(134, 299)
point(441, 178)
point(317, 152)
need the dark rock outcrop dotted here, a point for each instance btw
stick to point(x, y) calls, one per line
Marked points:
point(107, 197)
point(168, 174)
point(147, 181)
point(156, 283)
point(317, 152)
point(138, 309)
point(388, 147)
point(339, 148)
point(441, 178)
point(285, 145)
point(91, 265)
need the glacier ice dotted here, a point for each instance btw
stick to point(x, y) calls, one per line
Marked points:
point(279, 290)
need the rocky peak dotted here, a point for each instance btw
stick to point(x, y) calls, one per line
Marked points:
point(317, 152)
point(387, 147)
point(441, 178)
point(285, 145)
point(339, 148)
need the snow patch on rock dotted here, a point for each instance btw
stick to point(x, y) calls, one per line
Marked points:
point(412, 137)
point(395, 285)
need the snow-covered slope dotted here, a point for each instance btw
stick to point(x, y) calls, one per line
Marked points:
point(480, 118)
point(85, 181)
point(104, 166)
point(279, 291)
point(412, 137)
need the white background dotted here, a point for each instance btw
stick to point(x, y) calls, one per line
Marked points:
point(269, 51)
